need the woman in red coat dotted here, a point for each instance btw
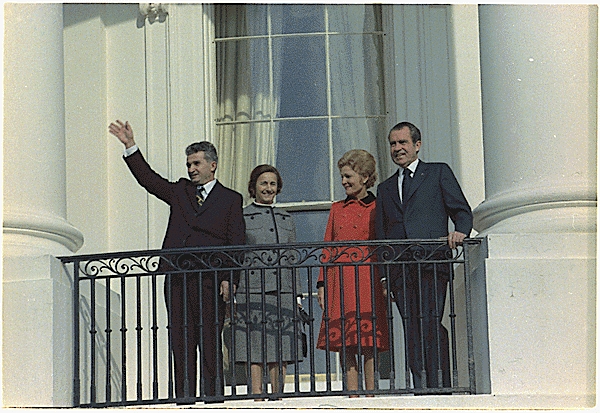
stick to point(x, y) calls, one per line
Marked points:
point(353, 219)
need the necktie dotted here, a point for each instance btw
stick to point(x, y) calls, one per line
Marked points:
point(405, 184)
point(199, 196)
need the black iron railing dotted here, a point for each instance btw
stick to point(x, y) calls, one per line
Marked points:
point(124, 335)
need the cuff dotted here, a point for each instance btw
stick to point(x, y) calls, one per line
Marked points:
point(130, 151)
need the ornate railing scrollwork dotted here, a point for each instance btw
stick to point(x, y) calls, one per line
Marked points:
point(282, 255)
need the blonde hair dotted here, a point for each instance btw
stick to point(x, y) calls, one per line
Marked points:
point(361, 162)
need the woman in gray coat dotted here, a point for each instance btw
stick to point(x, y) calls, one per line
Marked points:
point(269, 325)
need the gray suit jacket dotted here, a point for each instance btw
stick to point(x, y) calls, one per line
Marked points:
point(269, 225)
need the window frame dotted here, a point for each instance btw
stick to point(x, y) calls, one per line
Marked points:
point(388, 98)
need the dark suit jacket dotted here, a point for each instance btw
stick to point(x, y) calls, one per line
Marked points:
point(219, 221)
point(434, 196)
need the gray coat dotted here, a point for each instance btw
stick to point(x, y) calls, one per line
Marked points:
point(269, 225)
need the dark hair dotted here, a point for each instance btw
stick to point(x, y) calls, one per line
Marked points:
point(361, 162)
point(415, 133)
point(258, 171)
point(210, 152)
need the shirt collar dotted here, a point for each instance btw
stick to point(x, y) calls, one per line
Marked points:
point(209, 186)
point(412, 167)
point(264, 205)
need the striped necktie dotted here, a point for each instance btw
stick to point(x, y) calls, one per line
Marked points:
point(199, 196)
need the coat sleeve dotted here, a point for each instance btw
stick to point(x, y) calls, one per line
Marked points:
point(379, 225)
point(328, 237)
point(236, 226)
point(292, 239)
point(148, 178)
point(455, 202)
point(236, 234)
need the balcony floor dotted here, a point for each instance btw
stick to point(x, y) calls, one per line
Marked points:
point(404, 402)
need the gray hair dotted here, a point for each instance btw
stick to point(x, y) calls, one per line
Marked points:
point(210, 152)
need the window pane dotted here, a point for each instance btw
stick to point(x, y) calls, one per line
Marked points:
point(303, 76)
point(356, 80)
point(300, 18)
point(310, 227)
point(241, 85)
point(354, 18)
point(367, 134)
point(303, 160)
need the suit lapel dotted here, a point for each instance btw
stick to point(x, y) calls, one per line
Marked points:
point(210, 201)
point(191, 194)
point(417, 179)
point(393, 188)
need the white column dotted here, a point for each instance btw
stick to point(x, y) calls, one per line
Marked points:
point(539, 88)
point(34, 133)
point(539, 100)
point(37, 309)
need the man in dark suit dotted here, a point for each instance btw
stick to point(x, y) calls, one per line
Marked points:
point(415, 203)
point(202, 213)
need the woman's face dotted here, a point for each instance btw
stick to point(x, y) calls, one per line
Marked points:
point(353, 183)
point(266, 188)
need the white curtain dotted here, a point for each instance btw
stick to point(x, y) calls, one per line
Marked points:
point(356, 82)
point(248, 91)
point(250, 81)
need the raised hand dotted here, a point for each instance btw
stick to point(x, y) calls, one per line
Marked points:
point(123, 132)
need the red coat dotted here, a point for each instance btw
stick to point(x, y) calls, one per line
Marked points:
point(352, 220)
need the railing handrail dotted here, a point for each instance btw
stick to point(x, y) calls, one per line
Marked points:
point(255, 247)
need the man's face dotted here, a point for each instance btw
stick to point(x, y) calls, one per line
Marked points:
point(403, 150)
point(199, 169)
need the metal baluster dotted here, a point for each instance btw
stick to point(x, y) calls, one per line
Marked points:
point(169, 302)
point(93, 339)
point(452, 315)
point(139, 337)
point(76, 341)
point(154, 338)
point(359, 365)
point(123, 340)
point(108, 331)
point(423, 371)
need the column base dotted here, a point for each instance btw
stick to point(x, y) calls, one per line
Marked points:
point(541, 306)
point(37, 356)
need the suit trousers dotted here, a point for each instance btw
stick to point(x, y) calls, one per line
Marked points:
point(420, 295)
point(196, 315)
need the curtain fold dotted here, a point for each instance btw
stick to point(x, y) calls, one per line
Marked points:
point(247, 93)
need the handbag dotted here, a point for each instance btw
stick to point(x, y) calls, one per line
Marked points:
point(305, 319)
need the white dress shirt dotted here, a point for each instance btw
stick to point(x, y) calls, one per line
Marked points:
point(412, 167)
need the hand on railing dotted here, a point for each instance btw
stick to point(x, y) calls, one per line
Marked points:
point(321, 297)
point(224, 290)
point(455, 239)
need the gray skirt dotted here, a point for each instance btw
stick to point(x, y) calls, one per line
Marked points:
point(267, 333)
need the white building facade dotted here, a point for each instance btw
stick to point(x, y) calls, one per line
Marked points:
point(507, 95)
